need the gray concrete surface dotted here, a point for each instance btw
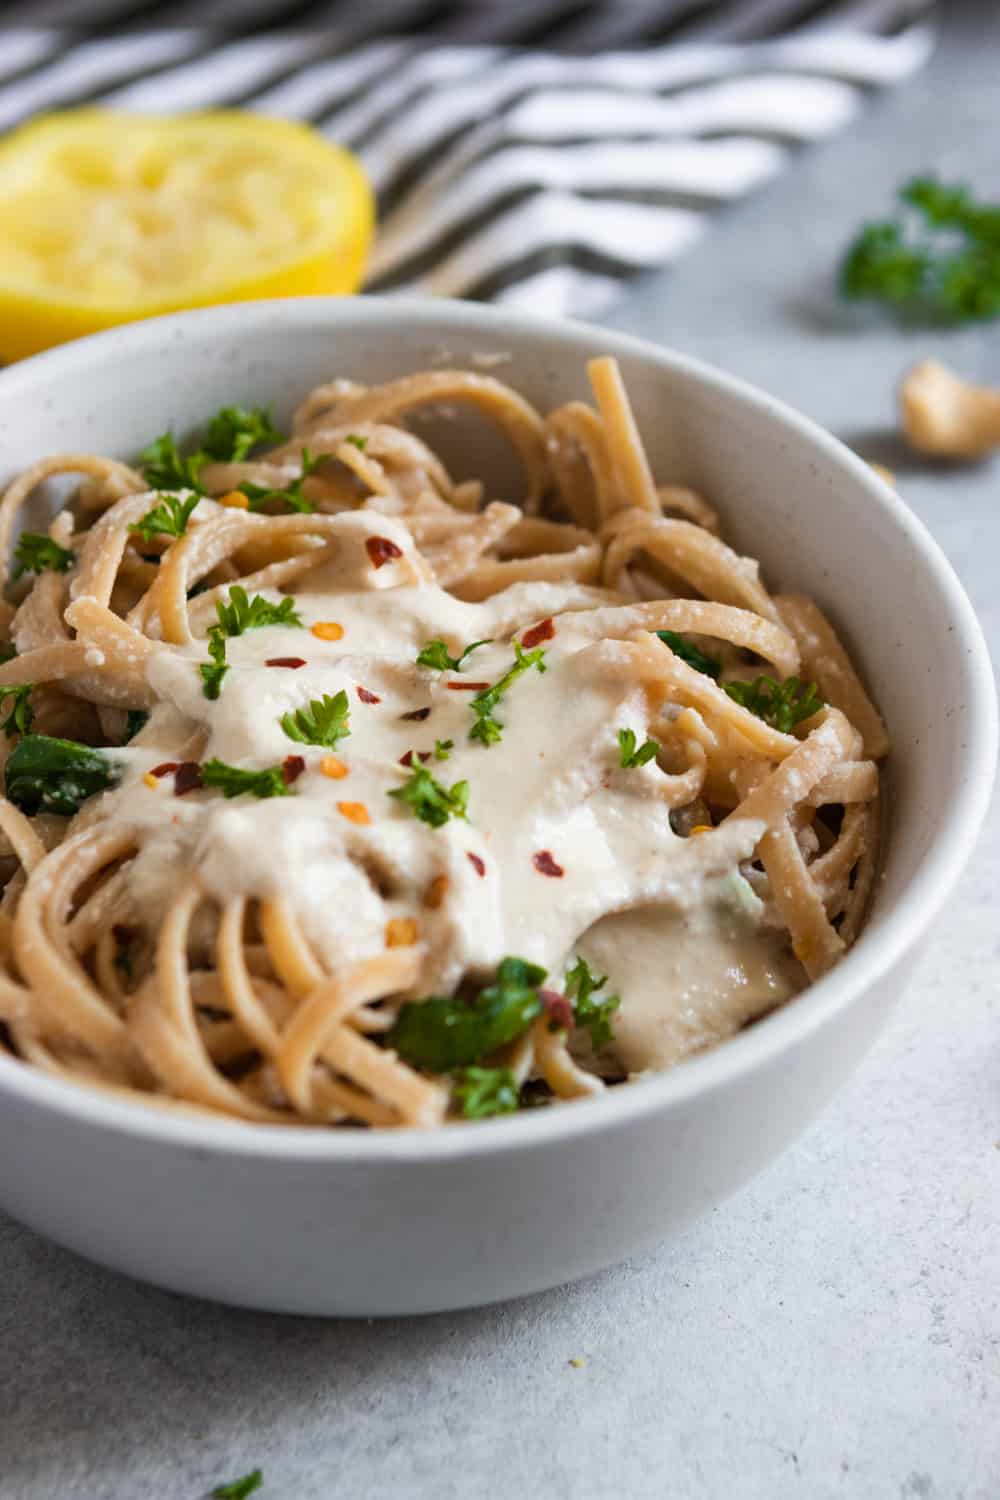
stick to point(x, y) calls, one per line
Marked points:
point(832, 1331)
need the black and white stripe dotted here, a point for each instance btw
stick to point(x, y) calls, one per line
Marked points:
point(539, 153)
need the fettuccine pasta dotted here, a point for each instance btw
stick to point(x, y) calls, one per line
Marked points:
point(342, 791)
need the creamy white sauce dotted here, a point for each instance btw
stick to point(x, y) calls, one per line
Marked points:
point(688, 956)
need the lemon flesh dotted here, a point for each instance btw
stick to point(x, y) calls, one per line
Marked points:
point(111, 217)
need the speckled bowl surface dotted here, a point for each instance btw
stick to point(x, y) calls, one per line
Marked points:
point(380, 1223)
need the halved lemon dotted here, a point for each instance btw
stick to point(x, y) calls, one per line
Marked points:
point(108, 217)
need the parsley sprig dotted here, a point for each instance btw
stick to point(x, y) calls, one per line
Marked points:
point(37, 553)
point(581, 985)
point(629, 755)
point(481, 1092)
point(487, 729)
point(441, 1033)
point(940, 259)
point(21, 716)
point(436, 655)
point(780, 704)
point(169, 517)
point(260, 495)
point(234, 781)
point(239, 1489)
point(323, 721)
point(235, 431)
point(230, 436)
point(431, 802)
point(238, 614)
point(694, 658)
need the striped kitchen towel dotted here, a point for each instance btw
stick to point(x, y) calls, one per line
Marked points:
point(538, 153)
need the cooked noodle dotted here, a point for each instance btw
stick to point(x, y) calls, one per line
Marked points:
point(253, 957)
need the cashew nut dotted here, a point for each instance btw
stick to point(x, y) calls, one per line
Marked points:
point(943, 415)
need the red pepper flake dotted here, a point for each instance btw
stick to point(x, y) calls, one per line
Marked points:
point(367, 697)
point(381, 550)
point(407, 759)
point(165, 769)
point(543, 631)
point(476, 863)
point(187, 777)
point(418, 715)
point(292, 767)
point(293, 662)
point(558, 1009)
point(546, 865)
point(467, 687)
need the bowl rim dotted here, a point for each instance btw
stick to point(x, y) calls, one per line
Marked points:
point(871, 959)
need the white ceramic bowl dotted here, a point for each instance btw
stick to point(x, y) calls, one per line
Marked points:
point(351, 1223)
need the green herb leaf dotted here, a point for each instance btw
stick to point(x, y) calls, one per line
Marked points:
point(239, 1489)
point(694, 658)
point(481, 1092)
point(441, 1034)
point(165, 469)
point(443, 749)
point(135, 719)
point(240, 613)
point(780, 704)
point(52, 775)
point(431, 802)
point(630, 757)
point(360, 443)
point(323, 721)
point(233, 781)
point(581, 984)
point(21, 716)
point(169, 518)
point(235, 430)
point(435, 655)
point(260, 495)
point(214, 671)
point(939, 260)
point(37, 553)
point(486, 728)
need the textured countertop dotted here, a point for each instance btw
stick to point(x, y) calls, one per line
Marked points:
point(833, 1331)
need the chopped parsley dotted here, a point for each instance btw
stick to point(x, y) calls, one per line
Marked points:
point(241, 613)
point(135, 719)
point(581, 984)
point(481, 1092)
point(431, 802)
point(233, 781)
point(21, 716)
point(235, 615)
point(780, 704)
point(435, 655)
point(440, 1034)
point(629, 756)
point(165, 469)
point(235, 430)
point(239, 1489)
point(939, 260)
point(168, 518)
point(260, 495)
point(213, 671)
point(52, 775)
point(37, 553)
point(694, 658)
point(361, 443)
point(443, 749)
point(487, 729)
point(323, 721)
